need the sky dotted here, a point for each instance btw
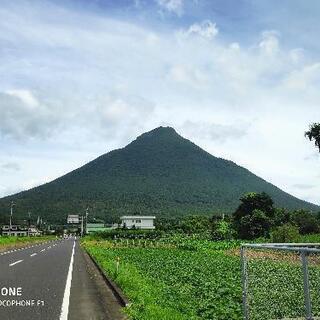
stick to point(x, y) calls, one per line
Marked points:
point(79, 78)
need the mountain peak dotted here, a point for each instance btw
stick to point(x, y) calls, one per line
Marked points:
point(160, 131)
point(158, 135)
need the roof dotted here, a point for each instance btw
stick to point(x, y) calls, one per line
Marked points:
point(137, 217)
point(73, 216)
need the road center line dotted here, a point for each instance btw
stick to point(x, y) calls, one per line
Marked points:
point(66, 296)
point(12, 264)
point(32, 255)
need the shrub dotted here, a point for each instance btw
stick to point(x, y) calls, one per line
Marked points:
point(285, 233)
point(222, 230)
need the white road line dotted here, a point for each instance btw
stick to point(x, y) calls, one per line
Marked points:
point(34, 254)
point(12, 264)
point(66, 296)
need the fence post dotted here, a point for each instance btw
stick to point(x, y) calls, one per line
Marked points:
point(244, 279)
point(306, 288)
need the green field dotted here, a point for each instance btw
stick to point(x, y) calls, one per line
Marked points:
point(11, 242)
point(198, 279)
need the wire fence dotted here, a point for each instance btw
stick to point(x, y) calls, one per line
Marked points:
point(281, 281)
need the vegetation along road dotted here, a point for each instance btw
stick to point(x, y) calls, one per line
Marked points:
point(182, 277)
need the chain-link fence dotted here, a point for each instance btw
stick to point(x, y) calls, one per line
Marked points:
point(281, 281)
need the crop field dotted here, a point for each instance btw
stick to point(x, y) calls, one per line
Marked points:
point(198, 279)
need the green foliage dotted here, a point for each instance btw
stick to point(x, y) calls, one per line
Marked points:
point(195, 224)
point(281, 216)
point(255, 225)
point(253, 218)
point(222, 230)
point(160, 173)
point(6, 241)
point(314, 134)
point(306, 221)
point(285, 233)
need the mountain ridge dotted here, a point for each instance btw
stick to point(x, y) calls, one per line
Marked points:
point(159, 173)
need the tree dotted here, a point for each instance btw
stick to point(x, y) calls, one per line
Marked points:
point(306, 221)
point(195, 224)
point(282, 216)
point(254, 216)
point(314, 134)
point(255, 225)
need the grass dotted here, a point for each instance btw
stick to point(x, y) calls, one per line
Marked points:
point(12, 241)
point(184, 278)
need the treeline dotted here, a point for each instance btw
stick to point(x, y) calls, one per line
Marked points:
point(256, 217)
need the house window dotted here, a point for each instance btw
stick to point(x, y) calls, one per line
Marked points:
point(138, 221)
point(133, 221)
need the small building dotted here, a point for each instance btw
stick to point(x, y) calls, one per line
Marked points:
point(138, 222)
point(20, 231)
point(15, 230)
point(73, 219)
point(34, 231)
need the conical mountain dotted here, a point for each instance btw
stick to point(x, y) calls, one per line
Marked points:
point(159, 173)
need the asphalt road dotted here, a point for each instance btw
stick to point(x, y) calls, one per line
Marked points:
point(54, 281)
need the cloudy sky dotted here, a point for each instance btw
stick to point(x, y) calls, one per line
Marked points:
point(79, 78)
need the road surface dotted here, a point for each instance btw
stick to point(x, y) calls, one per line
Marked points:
point(54, 281)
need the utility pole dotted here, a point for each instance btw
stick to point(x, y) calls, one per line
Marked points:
point(82, 226)
point(87, 213)
point(11, 213)
point(29, 214)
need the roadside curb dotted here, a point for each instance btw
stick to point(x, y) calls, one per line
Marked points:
point(110, 283)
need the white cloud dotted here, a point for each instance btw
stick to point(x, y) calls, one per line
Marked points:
point(20, 121)
point(270, 42)
point(305, 78)
point(297, 55)
point(187, 75)
point(174, 6)
point(215, 132)
point(11, 166)
point(205, 29)
point(25, 96)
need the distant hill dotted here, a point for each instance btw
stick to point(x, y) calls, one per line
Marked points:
point(159, 173)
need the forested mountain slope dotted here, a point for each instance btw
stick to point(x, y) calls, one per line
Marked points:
point(159, 173)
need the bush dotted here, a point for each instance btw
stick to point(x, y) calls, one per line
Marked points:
point(285, 233)
point(222, 230)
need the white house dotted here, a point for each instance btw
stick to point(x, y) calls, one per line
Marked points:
point(138, 222)
point(15, 230)
point(73, 218)
point(20, 231)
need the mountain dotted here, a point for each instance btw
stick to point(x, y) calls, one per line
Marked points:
point(159, 173)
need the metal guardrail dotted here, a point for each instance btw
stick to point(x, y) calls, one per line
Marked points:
point(303, 249)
